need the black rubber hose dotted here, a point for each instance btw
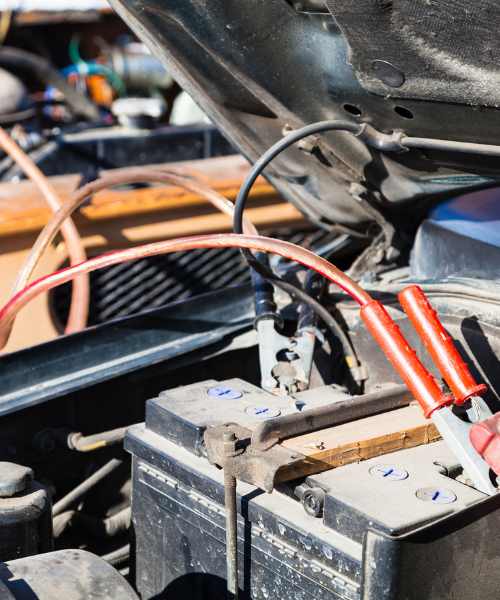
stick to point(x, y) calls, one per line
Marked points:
point(314, 286)
point(19, 62)
point(93, 527)
point(263, 295)
point(266, 272)
point(290, 139)
point(118, 557)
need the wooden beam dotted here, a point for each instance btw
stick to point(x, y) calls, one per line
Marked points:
point(22, 208)
point(359, 440)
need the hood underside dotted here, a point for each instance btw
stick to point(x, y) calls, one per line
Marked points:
point(261, 67)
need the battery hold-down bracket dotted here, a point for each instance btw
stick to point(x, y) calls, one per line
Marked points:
point(246, 462)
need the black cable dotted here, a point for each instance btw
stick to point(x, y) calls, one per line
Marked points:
point(300, 296)
point(267, 157)
point(266, 272)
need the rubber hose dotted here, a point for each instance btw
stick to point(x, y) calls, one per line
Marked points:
point(94, 527)
point(118, 557)
point(20, 62)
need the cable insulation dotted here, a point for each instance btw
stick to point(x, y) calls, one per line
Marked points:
point(81, 287)
point(290, 139)
point(286, 249)
point(57, 222)
point(294, 292)
point(51, 229)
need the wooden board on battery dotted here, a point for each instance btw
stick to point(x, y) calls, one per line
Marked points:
point(359, 440)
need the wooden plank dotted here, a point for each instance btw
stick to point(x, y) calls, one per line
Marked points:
point(276, 216)
point(23, 209)
point(359, 440)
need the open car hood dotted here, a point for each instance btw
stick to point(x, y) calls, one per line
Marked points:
point(260, 67)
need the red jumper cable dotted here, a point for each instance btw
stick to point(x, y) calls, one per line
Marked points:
point(476, 444)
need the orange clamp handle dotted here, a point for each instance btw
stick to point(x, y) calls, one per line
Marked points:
point(420, 382)
point(439, 344)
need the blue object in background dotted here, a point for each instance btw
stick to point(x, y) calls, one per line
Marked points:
point(460, 238)
point(475, 215)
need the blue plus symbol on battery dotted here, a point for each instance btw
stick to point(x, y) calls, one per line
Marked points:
point(386, 473)
point(389, 473)
point(225, 393)
point(263, 412)
point(436, 495)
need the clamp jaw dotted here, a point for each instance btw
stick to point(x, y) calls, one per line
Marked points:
point(285, 362)
point(457, 434)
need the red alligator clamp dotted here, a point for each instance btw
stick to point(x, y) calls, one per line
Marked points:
point(422, 384)
point(440, 345)
point(483, 431)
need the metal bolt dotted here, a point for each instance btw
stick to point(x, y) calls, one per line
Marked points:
point(263, 412)
point(225, 393)
point(308, 144)
point(436, 495)
point(202, 448)
point(313, 501)
point(389, 473)
point(230, 443)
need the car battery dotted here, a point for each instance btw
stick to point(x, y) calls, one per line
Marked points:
point(397, 526)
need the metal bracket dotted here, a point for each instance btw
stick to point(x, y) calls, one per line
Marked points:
point(270, 432)
point(296, 363)
point(256, 457)
point(381, 141)
point(248, 464)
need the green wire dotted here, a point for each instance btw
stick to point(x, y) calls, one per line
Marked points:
point(86, 67)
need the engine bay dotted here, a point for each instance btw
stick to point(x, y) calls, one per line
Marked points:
point(253, 381)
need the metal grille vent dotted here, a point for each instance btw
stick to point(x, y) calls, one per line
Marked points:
point(135, 286)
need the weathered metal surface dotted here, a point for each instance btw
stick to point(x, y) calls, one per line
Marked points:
point(251, 465)
point(234, 59)
point(37, 374)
